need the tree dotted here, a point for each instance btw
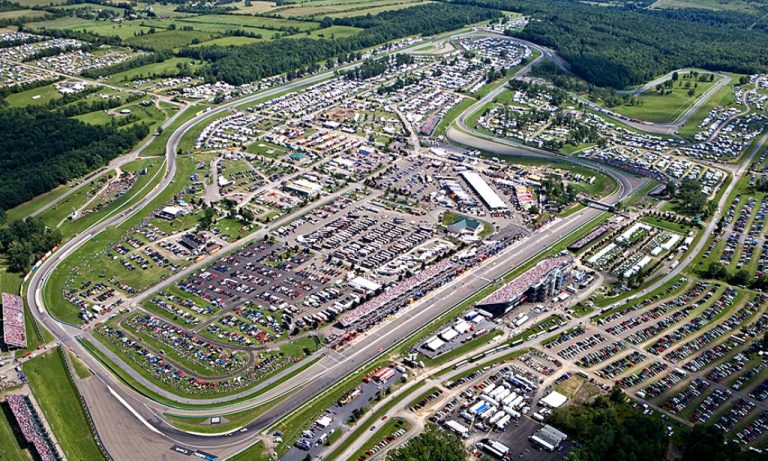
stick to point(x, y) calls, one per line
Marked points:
point(715, 270)
point(741, 277)
point(24, 241)
point(691, 196)
point(19, 257)
point(433, 444)
point(207, 219)
point(605, 436)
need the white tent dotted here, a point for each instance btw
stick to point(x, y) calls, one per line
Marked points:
point(554, 400)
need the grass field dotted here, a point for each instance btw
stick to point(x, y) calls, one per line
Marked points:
point(35, 96)
point(67, 22)
point(96, 6)
point(373, 8)
point(169, 39)
point(389, 428)
point(150, 115)
point(318, 8)
point(26, 208)
point(167, 67)
point(723, 98)
point(731, 5)
point(238, 21)
point(123, 30)
point(17, 14)
point(29, 3)
point(9, 441)
point(60, 402)
point(332, 32)
point(234, 41)
point(657, 108)
point(255, 452)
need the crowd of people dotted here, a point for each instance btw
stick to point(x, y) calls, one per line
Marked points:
point(395, 292)
point(521, 284)
point(32, 428)
point(14, 333)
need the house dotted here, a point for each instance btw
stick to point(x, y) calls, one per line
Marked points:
point(465, 227)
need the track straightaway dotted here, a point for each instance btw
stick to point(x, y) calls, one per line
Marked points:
point(115, 419)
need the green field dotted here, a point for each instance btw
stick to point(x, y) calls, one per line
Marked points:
point(35, 96)
point(374, 10)
point(60, 402)
point(255, 452)
point(67, 22)
point(723, 98)
point(667, 108)
point(150, 115)
point(169, 39)
point(389, 428)
point(234, 40)
point(30, 3)
point(9, 441)
point(123, 30)
point(332, 32)
point(716, 5)
point(93, 6)
point(336, 9)
point(27, 14)
point(167, 67)
point(227, 21)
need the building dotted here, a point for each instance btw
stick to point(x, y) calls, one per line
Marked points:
point(548, 438)
point(170, 213)
point(304, 187)
point(364, 285)
point(481, 188)
point(465, 227)
point(538, 284)
point(554, 400)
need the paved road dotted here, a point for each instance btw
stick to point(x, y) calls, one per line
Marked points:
point(332, 367)
point(663, 128)
point(115, 163)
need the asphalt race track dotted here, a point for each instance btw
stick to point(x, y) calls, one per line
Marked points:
point(130, 424)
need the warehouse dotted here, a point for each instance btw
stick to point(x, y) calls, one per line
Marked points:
point(548, 438)
point(478, 184)
point(304, 187)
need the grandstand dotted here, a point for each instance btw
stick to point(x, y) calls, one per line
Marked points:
point(398, 293)
point(537, 284)
point(32, 427)
point(14, 332)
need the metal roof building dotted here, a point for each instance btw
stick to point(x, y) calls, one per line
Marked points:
point(478, 184)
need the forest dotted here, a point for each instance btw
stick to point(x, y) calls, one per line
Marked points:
point(433, 444)
point(620, 47)
point(608, 428)
point(48, 149)
point(248, 63)
point(25, 241)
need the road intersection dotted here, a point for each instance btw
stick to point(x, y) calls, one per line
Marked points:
point(117, 407)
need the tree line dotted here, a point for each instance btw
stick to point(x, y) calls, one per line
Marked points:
point(49, 149)
point(249, 63)
point(24, 241)
point(608, 428)
point(618, 47)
